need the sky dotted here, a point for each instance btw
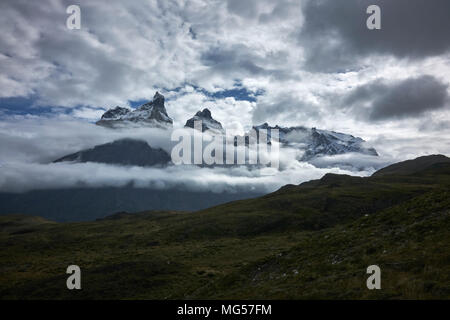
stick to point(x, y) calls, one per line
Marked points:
point(305, 62)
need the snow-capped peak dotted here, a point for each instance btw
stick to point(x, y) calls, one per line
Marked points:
point(208, 122)
point(152, 113)
point(315, 142)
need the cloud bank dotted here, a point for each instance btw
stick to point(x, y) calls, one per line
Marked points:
point(30, 144)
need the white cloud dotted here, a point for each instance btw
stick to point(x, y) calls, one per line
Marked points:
point(88, 113)
point(21, 176)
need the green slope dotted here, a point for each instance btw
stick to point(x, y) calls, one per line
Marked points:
point(413, 166)
point(314, 240)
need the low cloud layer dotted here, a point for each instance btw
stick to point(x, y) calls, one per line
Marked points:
point(20, 177)
point(30, 144)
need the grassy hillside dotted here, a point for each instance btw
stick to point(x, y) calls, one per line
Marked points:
point(314, 240)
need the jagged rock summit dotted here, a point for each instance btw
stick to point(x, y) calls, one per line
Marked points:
point(151, 114)
point(316, 142)
point(208, 122)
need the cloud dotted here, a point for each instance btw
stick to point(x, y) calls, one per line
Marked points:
point(88, 113)
point(353, 162)
point(286, 108)
point(235, 58)
point(120, 53)
point(42, 139)
point(336, 37)
point(382, 100)
point(31, 143)
point(246, 9)
point(21, 177)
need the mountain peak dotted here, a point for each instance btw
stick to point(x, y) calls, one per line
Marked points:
point(208, 122)
point(158, 99)
point(204, 114)
point(265, 126)
point(115, 113)
point(316, 143)
point(152, 113)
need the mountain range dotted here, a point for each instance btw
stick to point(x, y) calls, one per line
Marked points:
point(312, 142)
point(316, 143)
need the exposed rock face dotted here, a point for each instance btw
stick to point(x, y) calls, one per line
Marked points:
point(208, 122)
point(116, 113)
point(151, 114)
point(316, 143)
point(122, 152)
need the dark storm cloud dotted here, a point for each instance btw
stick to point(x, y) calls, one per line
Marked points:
point(380, 100)
point(282, 109)
point(241, 60)
point(247, 8)
point(335, 35)
point(227, 60)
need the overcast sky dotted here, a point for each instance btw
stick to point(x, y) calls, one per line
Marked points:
point(311, 63)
